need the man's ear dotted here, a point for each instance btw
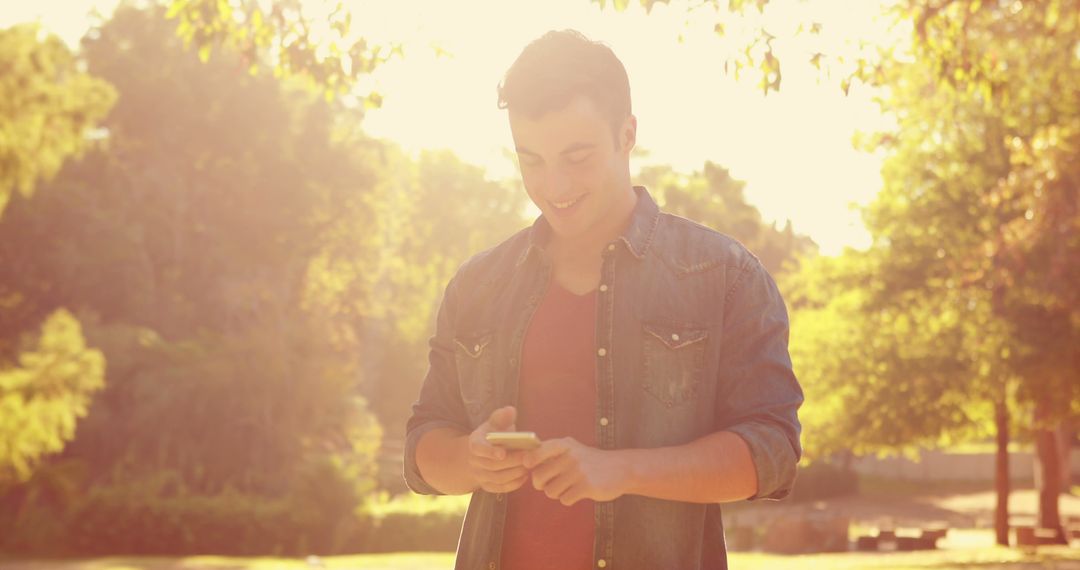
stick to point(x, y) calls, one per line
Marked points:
point(628, 134)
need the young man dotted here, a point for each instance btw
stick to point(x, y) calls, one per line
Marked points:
point(649, 353)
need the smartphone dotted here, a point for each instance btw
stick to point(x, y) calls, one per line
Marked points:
point(524, 440)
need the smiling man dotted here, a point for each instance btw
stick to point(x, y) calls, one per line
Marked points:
point(649, 354)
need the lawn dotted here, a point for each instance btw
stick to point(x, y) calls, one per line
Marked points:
point(992, 558)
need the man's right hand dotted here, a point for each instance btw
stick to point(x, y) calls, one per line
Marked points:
point(496, 470)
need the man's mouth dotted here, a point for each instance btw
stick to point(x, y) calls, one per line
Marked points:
point(567, 203)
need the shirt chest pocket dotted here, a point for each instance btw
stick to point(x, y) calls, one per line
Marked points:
point(674, 362)
point(474, 355)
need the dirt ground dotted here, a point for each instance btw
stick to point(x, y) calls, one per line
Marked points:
point(960, 511)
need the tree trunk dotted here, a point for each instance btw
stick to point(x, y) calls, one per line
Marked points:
point(1001, 473)
point(1065, 435)
point(1048, 475)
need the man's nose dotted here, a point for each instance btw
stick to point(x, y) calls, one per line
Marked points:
point(559, 184)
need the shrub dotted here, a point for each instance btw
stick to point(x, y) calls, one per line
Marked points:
point(823, 480)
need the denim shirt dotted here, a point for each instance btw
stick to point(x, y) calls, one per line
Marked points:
point(692, 338)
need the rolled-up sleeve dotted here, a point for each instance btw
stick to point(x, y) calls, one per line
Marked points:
point(439, 404)
point(758, 396)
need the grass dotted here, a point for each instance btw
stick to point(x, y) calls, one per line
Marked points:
point(384, 504)
point(991, 558)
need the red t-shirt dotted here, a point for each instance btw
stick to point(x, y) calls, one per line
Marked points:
point(556, 398)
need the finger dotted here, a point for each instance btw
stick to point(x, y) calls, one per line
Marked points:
point(505, 487)
point(503, 419)
point(479, 447)
point(547, 450)
point(507, 476)
point(558, 485)
point(575, 493)
point(548, 470)
point(489, 464)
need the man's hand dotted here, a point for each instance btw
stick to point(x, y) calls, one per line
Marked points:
point(495, 469)
point(569, 471)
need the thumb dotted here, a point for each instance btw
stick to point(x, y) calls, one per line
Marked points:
point(503, 418)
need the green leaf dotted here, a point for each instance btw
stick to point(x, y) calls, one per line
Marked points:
point(175, 8)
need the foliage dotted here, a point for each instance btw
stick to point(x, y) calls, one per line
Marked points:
point(140, 519)
point(754, 53)
point(966, 297)
point(884, 378)
point(44, 394)
point(823, 480)
point(183, 244)
point(433, 213)
point(285, 36)
point(982, 190)
point(713, 198)
point(47, 106)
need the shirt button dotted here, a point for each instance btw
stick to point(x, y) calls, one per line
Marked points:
point(602, 352)
point(610, 247)
point(491, 566)
point(476, 348)
point(604, 421)
point(499, 497)
point(603, 288)
point(601, 563)
point(674, 337)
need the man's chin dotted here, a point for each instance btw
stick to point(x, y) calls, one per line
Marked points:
point(568, 230)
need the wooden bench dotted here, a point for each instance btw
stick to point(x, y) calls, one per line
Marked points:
point(890, 540)
point(866, 543)
point(1030, 537)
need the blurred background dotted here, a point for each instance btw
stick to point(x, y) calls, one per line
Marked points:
point(225, 226)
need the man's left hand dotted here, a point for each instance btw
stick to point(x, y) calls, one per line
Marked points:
point(568, 471)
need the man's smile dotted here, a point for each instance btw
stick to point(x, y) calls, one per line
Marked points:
point(565, 205)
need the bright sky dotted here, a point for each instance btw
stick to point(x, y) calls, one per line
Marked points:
point(793, 148)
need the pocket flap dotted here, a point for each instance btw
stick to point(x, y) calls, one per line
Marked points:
point(474, 344)
point(674, 336)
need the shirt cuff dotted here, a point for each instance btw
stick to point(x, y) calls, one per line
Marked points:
point(413, 479)
point(774, 459)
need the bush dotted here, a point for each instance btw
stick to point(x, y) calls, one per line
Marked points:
point(413, 523)
point(113, 521)
point(823, 480)
point(158, 516)
point(153, 517)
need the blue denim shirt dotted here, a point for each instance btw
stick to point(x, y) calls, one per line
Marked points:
point(693, 339)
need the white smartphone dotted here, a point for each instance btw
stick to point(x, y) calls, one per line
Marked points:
point(524, 440)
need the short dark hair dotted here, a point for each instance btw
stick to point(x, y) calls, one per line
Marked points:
point(560, 65)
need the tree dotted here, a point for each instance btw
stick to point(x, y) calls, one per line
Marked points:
point(431, 214)
point(49, 105)
point(982, 177)
point(47, 373)
point(285, 37)
point(44, 394)
point(712, 197)
point(184, 245)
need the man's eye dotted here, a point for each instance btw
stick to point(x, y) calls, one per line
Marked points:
point(580, 159)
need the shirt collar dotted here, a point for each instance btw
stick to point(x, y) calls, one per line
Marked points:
point(637, 237)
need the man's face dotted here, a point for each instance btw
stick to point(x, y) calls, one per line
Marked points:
point(573, 167)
